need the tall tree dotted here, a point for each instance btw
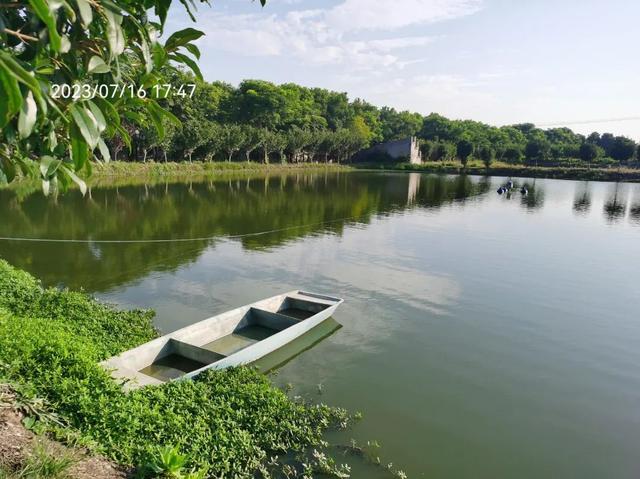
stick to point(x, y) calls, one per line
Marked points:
point(464, 148)
point(231, 139)
point(622, 149)
point(252, 139)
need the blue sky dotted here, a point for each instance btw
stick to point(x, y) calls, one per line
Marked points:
point(497, 61)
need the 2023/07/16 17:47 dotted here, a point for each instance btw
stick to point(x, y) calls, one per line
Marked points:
point(120, 90)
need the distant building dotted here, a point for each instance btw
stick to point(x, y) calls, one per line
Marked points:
point(405, 150)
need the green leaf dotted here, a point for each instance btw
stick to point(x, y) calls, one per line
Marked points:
point(48, 166)
point(153, 106)
point(76, 179)
point(161, 9)
point(28, 422)
point(10, 97)
point(13, 68)
point(84, 7)
point(159, 55)
point(188, 8)
point(193, 49)
point(181, 38)
point(125, 136)
point(98, 65)
point(42, 10)
point(79, 147)
point(115, 35)
point(52, 139)
point(28, 115)
point(157, 122)
point(8, 168)
point(104, 151)
point(87, 125)
point(135, 116)
point(146, 55)
point(98, 115)
point(181, 58)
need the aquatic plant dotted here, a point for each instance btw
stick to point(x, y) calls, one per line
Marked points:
point(228, 422)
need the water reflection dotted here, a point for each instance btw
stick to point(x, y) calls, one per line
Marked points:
point(280, 208)
point(616, 205)
point(534, 198)
point(582, 200)
point(634, 212)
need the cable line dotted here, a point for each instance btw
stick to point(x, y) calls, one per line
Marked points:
point(171, 240)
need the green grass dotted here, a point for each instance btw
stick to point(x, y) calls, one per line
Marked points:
point(173, 169)
point(227, 422)
point(42, 464)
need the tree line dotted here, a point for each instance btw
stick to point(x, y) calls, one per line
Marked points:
point(445, 139)
point(261, 121)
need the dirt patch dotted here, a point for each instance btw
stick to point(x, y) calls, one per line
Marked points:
point(17, 444)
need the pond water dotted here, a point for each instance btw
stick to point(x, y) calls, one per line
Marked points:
point(482, 336)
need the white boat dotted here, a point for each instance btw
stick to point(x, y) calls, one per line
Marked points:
point(237, 337)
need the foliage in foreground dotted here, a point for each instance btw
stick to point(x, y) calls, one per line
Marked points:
point(109, 56)
point(230, 423)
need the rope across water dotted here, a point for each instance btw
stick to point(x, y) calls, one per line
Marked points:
point(172, 240)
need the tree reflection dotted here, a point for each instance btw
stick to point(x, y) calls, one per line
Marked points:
point(582, 200)
point(615, 207)
point(634, 211)
point(281, 208)
point(534, 198)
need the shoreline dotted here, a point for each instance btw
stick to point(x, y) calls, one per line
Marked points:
point(631, 175)
point(120, 174)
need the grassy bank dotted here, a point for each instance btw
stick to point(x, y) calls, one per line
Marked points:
point(117, 169)
point(522, 171)
point(229, 423)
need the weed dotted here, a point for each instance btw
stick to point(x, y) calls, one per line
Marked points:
point(42, 464)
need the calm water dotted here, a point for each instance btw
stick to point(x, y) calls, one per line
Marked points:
point(483, 336)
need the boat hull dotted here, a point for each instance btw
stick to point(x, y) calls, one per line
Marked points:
point(235, 338)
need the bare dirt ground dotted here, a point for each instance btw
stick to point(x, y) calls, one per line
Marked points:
point(17, 443)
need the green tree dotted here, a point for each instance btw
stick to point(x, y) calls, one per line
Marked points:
point(252, 139)
point(427, 148)
point(232, 138)
point(297, 140)
point(513, 154)
point(361, 130)
point(397, 125)
point(487, 155)
point(272, 141)
point(537, 149)
point(622, 149)
point(589, 152)
point(464, 149)
point(444, 151)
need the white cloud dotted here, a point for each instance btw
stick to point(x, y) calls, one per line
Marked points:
point(392, 14)
point(452, 95)
point(321, 37)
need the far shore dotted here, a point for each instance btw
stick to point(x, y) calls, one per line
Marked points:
point(517, 171)
point(120, 173)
